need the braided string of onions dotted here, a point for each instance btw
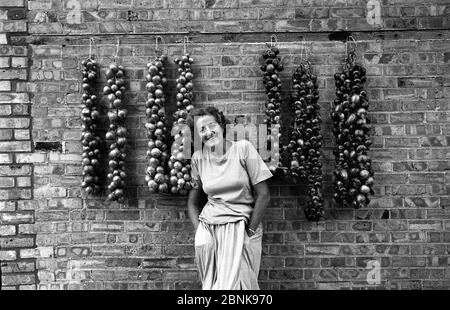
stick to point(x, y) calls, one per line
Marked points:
point(310, 140)
point(157, 177)
point(272, 67)
point(353, 175)
point(178, 163)
point(117, 133)
point(90, 139)
point(302, 154)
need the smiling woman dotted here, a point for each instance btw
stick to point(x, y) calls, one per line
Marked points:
point(214, 117)
point(228, 234)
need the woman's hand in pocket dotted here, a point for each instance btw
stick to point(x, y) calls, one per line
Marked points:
point(250, 232)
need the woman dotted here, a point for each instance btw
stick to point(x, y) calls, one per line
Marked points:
point(228, 237)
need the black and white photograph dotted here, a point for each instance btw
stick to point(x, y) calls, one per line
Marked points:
point(243, 147)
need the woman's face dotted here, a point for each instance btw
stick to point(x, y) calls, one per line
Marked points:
point(209, 130)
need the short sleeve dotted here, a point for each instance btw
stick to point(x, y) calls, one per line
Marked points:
point(256, 168)
point(195, 175)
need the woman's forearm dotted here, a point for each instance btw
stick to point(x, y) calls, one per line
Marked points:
point(262, 201)
point(194, 207)
point(193, 215)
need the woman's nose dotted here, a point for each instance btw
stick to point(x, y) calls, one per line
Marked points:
point(208, 131)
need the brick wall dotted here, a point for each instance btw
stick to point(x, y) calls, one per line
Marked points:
point(147, 243)
point(18, 268)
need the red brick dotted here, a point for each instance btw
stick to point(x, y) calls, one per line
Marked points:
point(21, 266)
point(159, 263)
point(123, 215)
point(14, 122)
point(402, 142)
point(408, 261)
point(426, 178)
point(16, 146)
point(18, 279)
point(286, 274)
point(13, 242)
point(16, 218)
point(407, 117)
point(7, 230)
point(6, 182)
point(322, 250)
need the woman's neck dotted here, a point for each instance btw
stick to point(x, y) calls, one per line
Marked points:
point(219, 151)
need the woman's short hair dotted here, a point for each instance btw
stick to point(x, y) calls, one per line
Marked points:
point(209, 110)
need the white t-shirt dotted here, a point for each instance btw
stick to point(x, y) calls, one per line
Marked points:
point(228, 181)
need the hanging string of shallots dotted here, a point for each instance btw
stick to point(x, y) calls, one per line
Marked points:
point(353, 175)
point(89, 116)
point(272, 67)
point(117, 132)
point(157, 177)
point(302, 154)
point(178, 162)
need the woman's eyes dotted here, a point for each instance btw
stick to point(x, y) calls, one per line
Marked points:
point(210, 126)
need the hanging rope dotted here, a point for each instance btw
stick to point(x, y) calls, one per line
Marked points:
point(97, 50)
point(117, 49)
point(303, 51)
point(156, 42)
point(157, 39)
point(302, 47)
point(185, 41)
point(350, 53)
point(91, 41)
point(353, 51)
point(347, 43)
point(356, 43)
point(304, 55)
point(273, 40)
point(306, 50)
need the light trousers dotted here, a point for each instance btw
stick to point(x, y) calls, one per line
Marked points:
point(227, 258)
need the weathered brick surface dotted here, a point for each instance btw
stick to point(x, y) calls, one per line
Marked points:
point(234, 16)
point(47, 223)
point(15, 175)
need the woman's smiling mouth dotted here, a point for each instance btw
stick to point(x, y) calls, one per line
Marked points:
point(210, 138)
